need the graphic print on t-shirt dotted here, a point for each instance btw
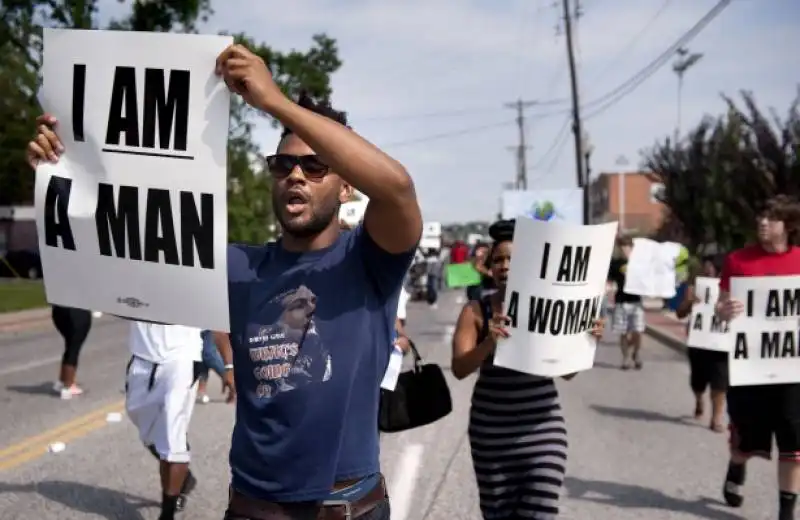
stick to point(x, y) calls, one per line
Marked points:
point(289, 353)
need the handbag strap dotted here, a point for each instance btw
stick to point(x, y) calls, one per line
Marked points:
point(418, 361)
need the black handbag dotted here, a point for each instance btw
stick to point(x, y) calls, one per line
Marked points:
point(420, 397)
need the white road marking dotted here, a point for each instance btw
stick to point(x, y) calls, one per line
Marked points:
point(29, 366)
point(401, 487)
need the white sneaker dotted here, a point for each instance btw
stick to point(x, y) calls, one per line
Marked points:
point(97, 314)
point(58, 386)
point(69, 393)
point(205, 399)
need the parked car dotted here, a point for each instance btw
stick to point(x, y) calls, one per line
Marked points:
point(26, 264)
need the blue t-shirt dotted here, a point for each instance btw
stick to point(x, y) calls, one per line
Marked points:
point(311, 335)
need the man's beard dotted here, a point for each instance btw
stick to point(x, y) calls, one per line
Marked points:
point(318, 223)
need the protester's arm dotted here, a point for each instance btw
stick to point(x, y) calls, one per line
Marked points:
point(223, 343)
point(468, 355)
point(479, 263)
point(393, 218)
point(726, 307)
point(402, 340)
point(685, 307)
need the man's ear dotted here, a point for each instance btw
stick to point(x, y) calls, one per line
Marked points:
point(345, 193)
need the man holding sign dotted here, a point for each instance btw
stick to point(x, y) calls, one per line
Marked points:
point(759, 412)
point(312, 313)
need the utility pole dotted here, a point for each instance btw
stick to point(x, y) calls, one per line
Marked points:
point(522, 149)
point(684, 62)
point(576, 113)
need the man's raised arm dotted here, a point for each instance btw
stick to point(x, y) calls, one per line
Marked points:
point(393, 219)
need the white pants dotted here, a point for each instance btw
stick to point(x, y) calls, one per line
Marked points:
point(159, 400)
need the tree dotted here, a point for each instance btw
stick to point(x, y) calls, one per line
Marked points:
point(18, 106)
point(717, 180)
point(249, 200)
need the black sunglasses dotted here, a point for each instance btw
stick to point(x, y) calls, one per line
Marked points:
point(281, 165)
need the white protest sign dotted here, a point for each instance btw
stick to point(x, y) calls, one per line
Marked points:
point(555, 291)
point(651, 268)
point(706, 331)
point(764, 341)
point(133, 219)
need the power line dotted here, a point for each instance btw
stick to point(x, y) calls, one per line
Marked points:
point(611, 98)
point(428, 115)
point(633, 41)
point(625, 87)
point(556, 144)
point(596, 106)
point(454, 133)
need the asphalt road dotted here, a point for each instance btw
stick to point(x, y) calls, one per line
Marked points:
point(634, 451)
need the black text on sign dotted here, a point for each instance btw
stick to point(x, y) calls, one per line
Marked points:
point(780, 303)
point(158, 128)
point(118, 218)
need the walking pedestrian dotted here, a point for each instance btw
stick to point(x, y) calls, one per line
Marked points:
point(74, 326)
point(312, 313)
point(160, 391)
point(708, 368)
point(212, 360)
point(759, 413)
point(434, 271)
point(517, 432)
point(629, 320)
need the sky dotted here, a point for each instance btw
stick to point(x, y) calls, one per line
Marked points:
point(428, 80)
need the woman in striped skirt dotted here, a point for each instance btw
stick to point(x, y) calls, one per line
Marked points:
point(516, 429)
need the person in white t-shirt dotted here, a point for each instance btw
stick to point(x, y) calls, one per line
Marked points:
point(160, 392)
point(402, 303)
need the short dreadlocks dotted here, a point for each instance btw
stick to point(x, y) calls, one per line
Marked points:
point(322, 108)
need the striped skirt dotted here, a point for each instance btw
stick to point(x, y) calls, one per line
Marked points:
point(519, 445)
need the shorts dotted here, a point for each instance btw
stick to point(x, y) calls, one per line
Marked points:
point(709, 368)
point(758, 413)
point(628, 317)
point(159, 400)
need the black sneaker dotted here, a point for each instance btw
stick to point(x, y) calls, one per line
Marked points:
point(734, 480)
point(188, 486)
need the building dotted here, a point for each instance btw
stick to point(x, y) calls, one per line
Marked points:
point(630, 198)
point(17, 229)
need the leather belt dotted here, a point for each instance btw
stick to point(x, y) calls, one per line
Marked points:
point(241, 506)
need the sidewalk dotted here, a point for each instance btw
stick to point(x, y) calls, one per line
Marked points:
point(666, 328)
point(23, 320)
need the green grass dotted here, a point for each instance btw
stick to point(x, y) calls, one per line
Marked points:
point(18, 295)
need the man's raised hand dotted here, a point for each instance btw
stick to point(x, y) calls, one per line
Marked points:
point(246, 74)
point(45, 146)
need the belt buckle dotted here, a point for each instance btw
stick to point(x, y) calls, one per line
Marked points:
point(348, 507)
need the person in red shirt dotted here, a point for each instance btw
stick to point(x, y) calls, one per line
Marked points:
point(459, 253)
point(757, 413)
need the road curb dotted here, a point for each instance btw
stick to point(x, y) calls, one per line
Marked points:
point(26, 320)
point(666, 339)
point(17, 321)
